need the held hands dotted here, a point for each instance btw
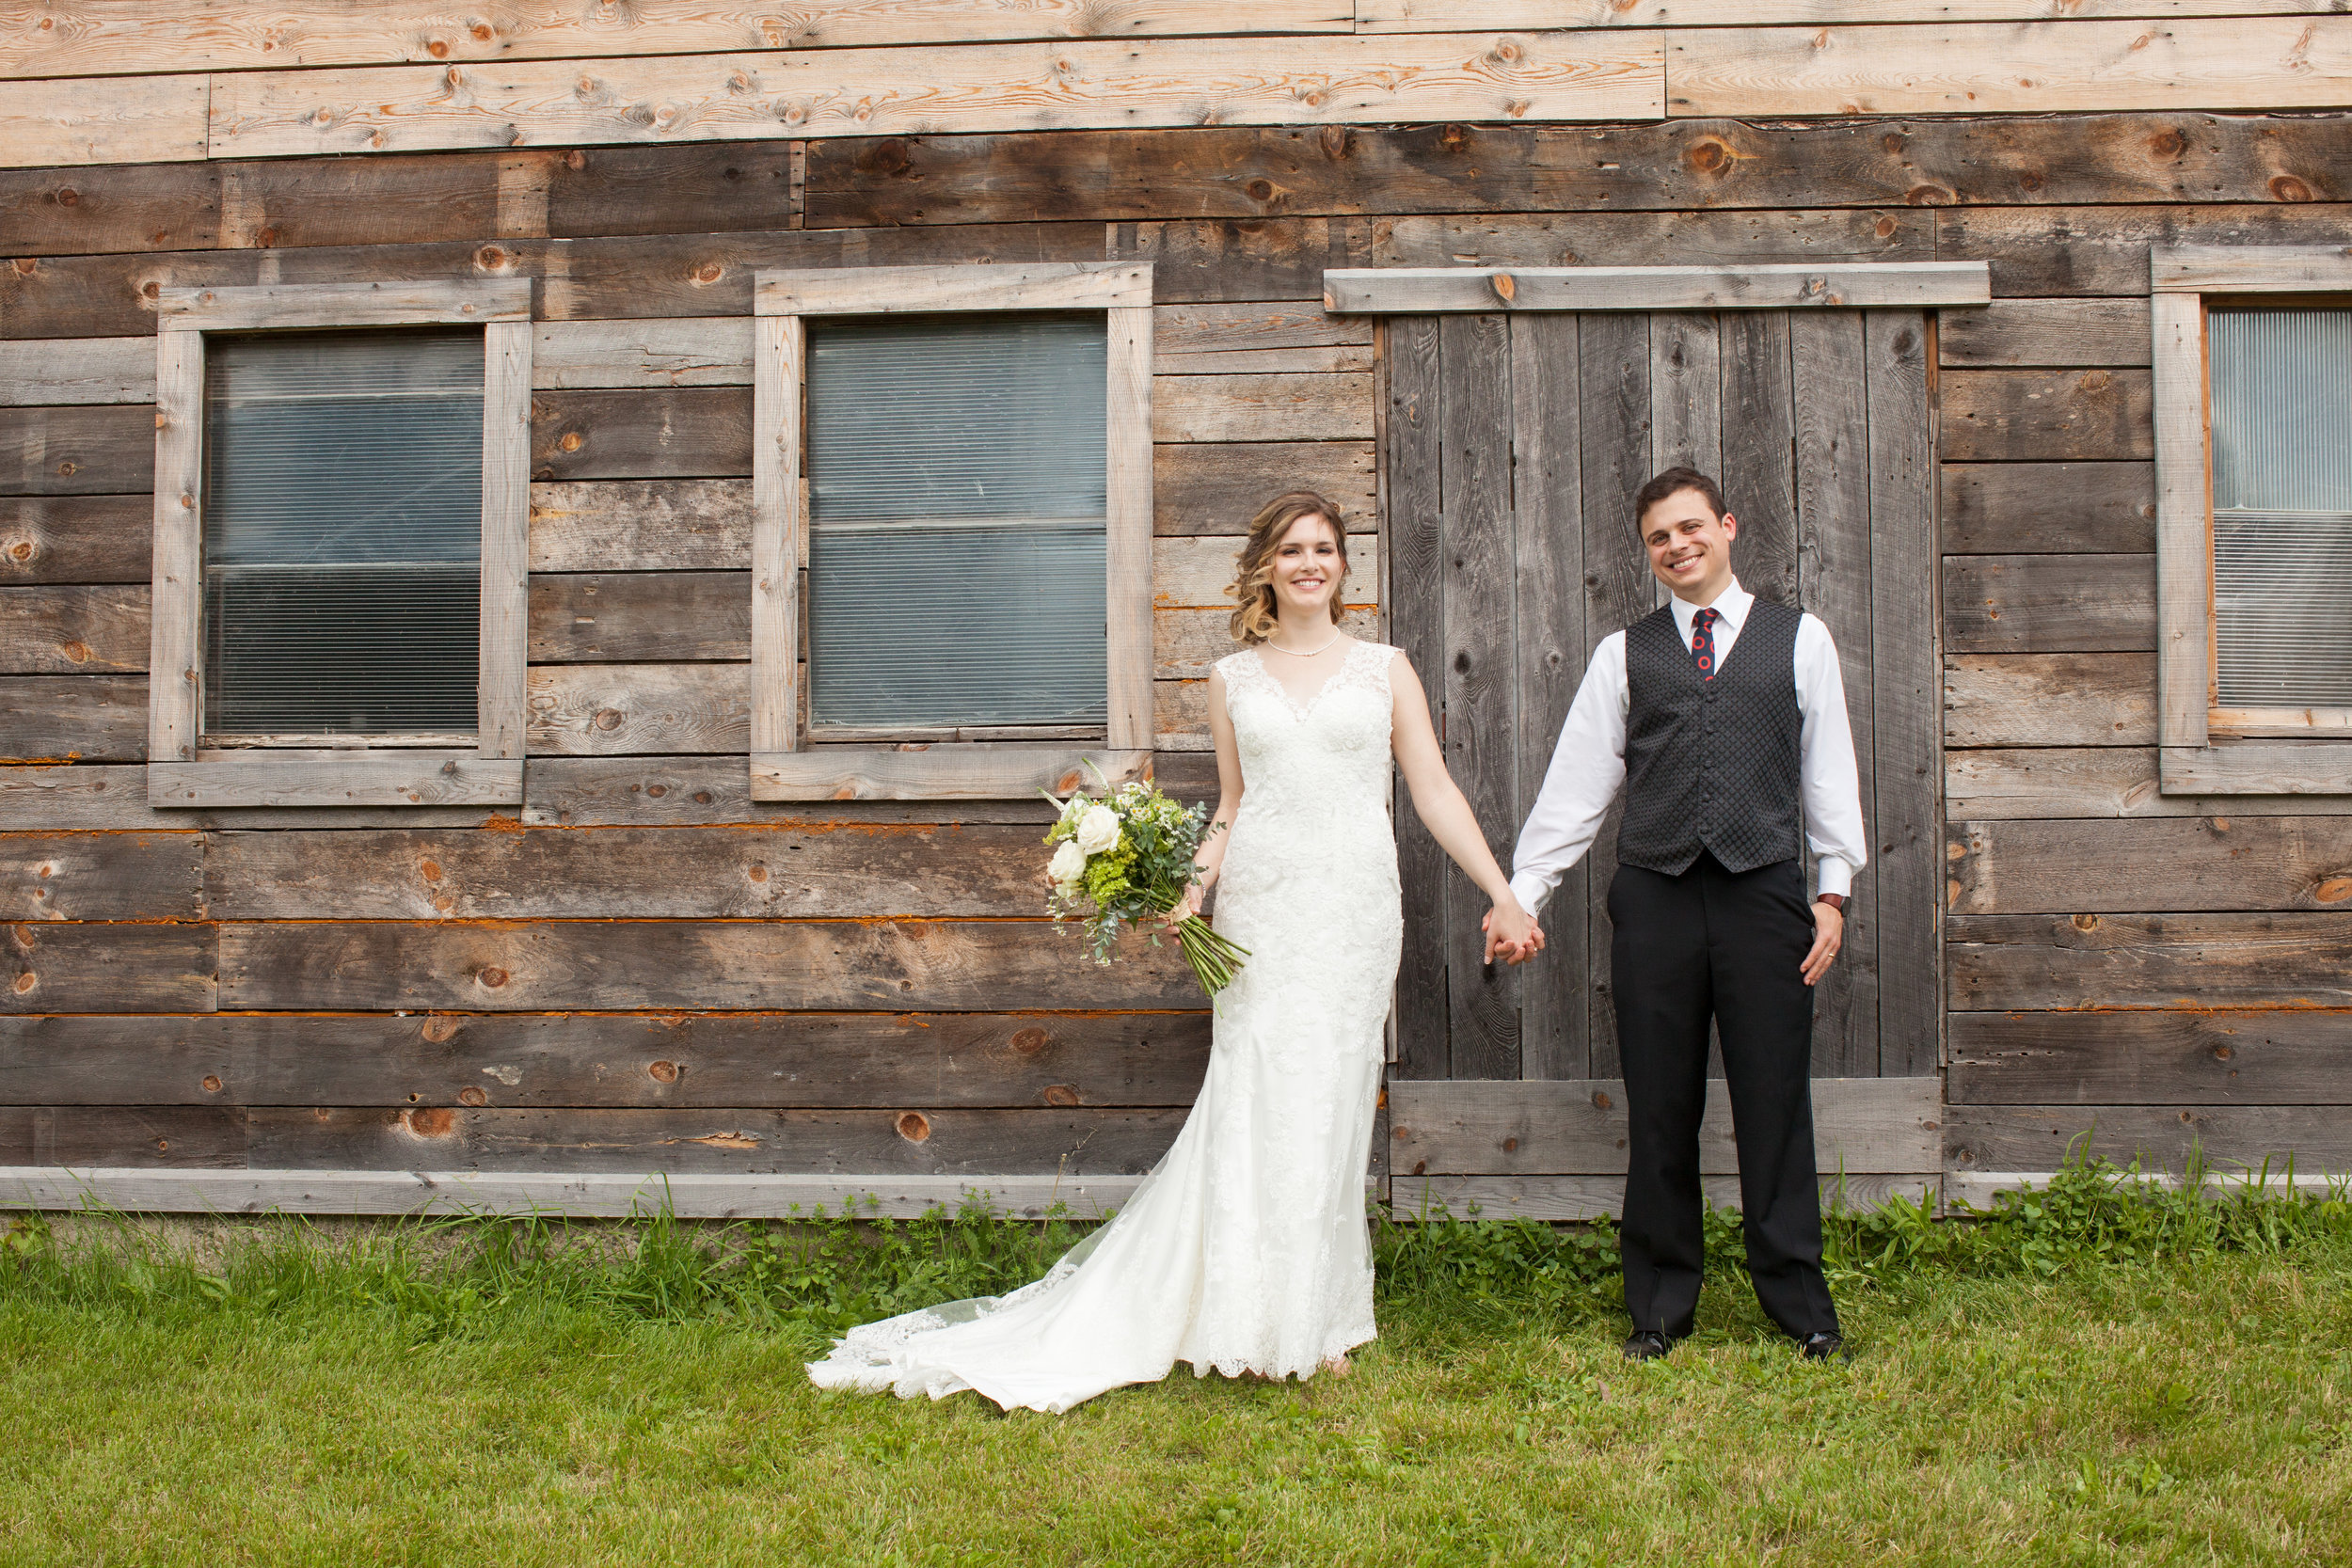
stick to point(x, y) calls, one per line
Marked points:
point(1829, 935)
point(1512, 932)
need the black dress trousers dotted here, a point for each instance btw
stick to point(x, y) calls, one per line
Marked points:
point(1715, 944)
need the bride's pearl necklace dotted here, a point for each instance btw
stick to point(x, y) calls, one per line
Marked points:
point(1310, 652)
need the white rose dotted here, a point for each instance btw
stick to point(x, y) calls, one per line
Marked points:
point(1069, 863)
point(1098, 830)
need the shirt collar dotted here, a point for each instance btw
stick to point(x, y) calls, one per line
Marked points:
point(1731, 605)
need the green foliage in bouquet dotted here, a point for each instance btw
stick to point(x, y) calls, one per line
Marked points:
point(1126, 860)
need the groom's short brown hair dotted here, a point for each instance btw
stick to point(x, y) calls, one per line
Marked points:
point(1670, 483)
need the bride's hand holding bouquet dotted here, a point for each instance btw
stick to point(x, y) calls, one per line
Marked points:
point(1126, 859)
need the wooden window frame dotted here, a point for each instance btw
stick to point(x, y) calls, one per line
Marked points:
point(2204, 750)
point(375, 770)
point(786, 763)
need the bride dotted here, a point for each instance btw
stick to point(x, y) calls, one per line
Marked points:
point(1246, 1250)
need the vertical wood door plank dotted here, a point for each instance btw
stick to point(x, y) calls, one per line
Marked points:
point(1415, 597)
point(2183, 522)
point(1479, 675)
point(174, 659)
point(1614, 415)
point(502, 702)
point(1686, 393)
point(1547, 594)
point(1906, 730)
point(1759, 472)
point(1759, 465)
point(1127, 544)
point(1833, 582)
point(778, 502)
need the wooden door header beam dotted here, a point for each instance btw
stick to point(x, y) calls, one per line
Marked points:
point(1423, 291)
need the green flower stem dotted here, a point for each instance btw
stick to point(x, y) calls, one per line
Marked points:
point(1215, 958)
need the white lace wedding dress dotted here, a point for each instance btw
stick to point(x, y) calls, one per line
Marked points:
point(1246, 1248)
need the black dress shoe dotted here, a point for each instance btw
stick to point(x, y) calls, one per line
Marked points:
point(1822, 1347)
point(1646, 1345)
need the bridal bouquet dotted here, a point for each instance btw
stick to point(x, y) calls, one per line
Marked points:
point(1125, 860)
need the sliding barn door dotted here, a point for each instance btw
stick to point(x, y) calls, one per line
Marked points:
point(1513, 445)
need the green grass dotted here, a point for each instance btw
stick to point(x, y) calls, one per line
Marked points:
point(2100, 1376)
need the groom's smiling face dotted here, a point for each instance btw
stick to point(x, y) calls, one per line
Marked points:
point(1690, 545)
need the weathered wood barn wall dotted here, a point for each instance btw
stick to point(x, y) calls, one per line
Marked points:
point(642, 970)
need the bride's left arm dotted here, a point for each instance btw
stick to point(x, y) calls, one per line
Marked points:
point(1437, 802)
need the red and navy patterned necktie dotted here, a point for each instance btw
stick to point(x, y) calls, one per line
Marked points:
point(1702, 643)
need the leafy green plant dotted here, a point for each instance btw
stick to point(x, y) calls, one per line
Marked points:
point(818, 1274)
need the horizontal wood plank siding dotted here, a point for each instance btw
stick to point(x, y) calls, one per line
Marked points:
point(87, 39)
point(2033, 963)
point(1075, 84)
point(1677, 166)
point(2050, 700)
point(850, 871)
point(2164, 1058)
point(1866, 1125)
point(2201, 863)
point(2028, 68)
point(2133, 974)
point(750, 991)
point(2049, 603)
point(972, 966)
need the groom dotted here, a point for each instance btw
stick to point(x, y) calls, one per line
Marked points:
point(1723, 718)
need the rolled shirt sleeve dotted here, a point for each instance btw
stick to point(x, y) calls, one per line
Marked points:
point(1831, 785)
point(1586, 770)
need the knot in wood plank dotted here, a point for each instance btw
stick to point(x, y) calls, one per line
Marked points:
point(433, 1121)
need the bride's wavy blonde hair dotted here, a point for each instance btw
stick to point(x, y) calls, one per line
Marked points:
point(1253, 569)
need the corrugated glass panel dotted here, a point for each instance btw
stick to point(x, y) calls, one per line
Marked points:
point(2281, 390)
point(342, 533)
point(956, 512)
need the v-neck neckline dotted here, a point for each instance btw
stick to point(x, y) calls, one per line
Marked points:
point(1302, 710)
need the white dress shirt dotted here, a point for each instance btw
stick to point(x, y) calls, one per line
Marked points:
point(1588, 765)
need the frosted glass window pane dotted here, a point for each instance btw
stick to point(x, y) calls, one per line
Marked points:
point(2281, 415)
point(956, 471)
point(342, 533)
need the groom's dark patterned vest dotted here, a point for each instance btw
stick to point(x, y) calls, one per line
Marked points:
point(1711, 765)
